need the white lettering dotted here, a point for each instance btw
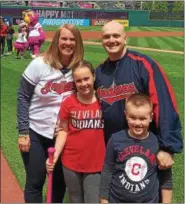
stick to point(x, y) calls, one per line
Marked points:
point(59, 22)
point(137, 189)
point(134, 188)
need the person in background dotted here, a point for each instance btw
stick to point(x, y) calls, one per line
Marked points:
point(81, 139)
point(130, 173)
point(9, 39)
point(45, 83)
point(3, 32)
point(21, 44)
point(126, 72)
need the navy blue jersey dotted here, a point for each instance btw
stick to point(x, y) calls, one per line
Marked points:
point(135, 72)
point(130, 173)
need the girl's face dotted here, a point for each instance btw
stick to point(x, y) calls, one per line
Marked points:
point(84, 81)
point(66, 43)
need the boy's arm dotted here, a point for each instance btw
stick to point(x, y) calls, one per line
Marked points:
point(165, 178)
point(166, 195)
point(106, 175)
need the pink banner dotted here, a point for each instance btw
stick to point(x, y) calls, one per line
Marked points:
point(45, 4)
point(84, 5)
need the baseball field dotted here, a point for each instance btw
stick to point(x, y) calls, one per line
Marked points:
point(165, 45)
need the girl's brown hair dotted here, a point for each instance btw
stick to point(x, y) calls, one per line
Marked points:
point(52, 54)
point(85, 64)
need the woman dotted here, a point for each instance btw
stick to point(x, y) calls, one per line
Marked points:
point(45, 83)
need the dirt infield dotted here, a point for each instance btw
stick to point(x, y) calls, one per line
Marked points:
point(11, 192)
point(94, 35)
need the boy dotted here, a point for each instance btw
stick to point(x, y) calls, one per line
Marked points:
point(130, 173)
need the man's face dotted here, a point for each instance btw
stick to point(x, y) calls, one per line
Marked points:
point(113, 40)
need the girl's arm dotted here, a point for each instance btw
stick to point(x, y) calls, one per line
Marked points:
point(59, 144)
point(61, 139)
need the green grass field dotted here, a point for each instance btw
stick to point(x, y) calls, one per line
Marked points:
point(164, 43)
point(12, 69)
point(141, 28)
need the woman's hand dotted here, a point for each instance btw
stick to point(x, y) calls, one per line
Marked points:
point(24, 143)
point(165, 160)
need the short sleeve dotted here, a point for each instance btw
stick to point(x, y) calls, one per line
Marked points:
point(64, 113)
point(34, 70)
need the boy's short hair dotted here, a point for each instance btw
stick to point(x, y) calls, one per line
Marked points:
point(139, 99)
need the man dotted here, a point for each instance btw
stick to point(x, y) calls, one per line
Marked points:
point(126, 72)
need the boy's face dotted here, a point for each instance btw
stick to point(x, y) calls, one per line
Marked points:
point(138, 119)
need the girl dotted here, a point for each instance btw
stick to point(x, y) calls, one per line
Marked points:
point(21, 43)
point(81, 139)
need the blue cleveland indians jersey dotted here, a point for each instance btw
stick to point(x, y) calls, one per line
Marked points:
point(116, 80)
point(135, 178)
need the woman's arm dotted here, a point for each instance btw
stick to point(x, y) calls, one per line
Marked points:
point(25, 93)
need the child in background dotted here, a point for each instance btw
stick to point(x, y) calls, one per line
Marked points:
point(9, 39)
point(81, 140)
point(21, 44)
point(3, 32)
point(130, 173)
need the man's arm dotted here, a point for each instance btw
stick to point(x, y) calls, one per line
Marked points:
point(166, 117)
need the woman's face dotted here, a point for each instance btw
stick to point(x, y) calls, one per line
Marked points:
point(66, 43)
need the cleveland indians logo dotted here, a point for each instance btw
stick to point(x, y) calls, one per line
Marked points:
point(136, 168)
point(57, 87)
point(116, 92)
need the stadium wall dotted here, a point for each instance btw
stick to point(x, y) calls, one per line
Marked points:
point(142, 18)
point(76, 15)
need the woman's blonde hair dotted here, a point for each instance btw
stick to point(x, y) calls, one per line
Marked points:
point(52, 54)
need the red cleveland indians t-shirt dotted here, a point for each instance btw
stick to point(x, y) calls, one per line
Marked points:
point(84, 150)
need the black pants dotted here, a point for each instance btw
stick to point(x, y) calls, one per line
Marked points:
point(9, 45)
point(2, 44)
point(35, 166)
